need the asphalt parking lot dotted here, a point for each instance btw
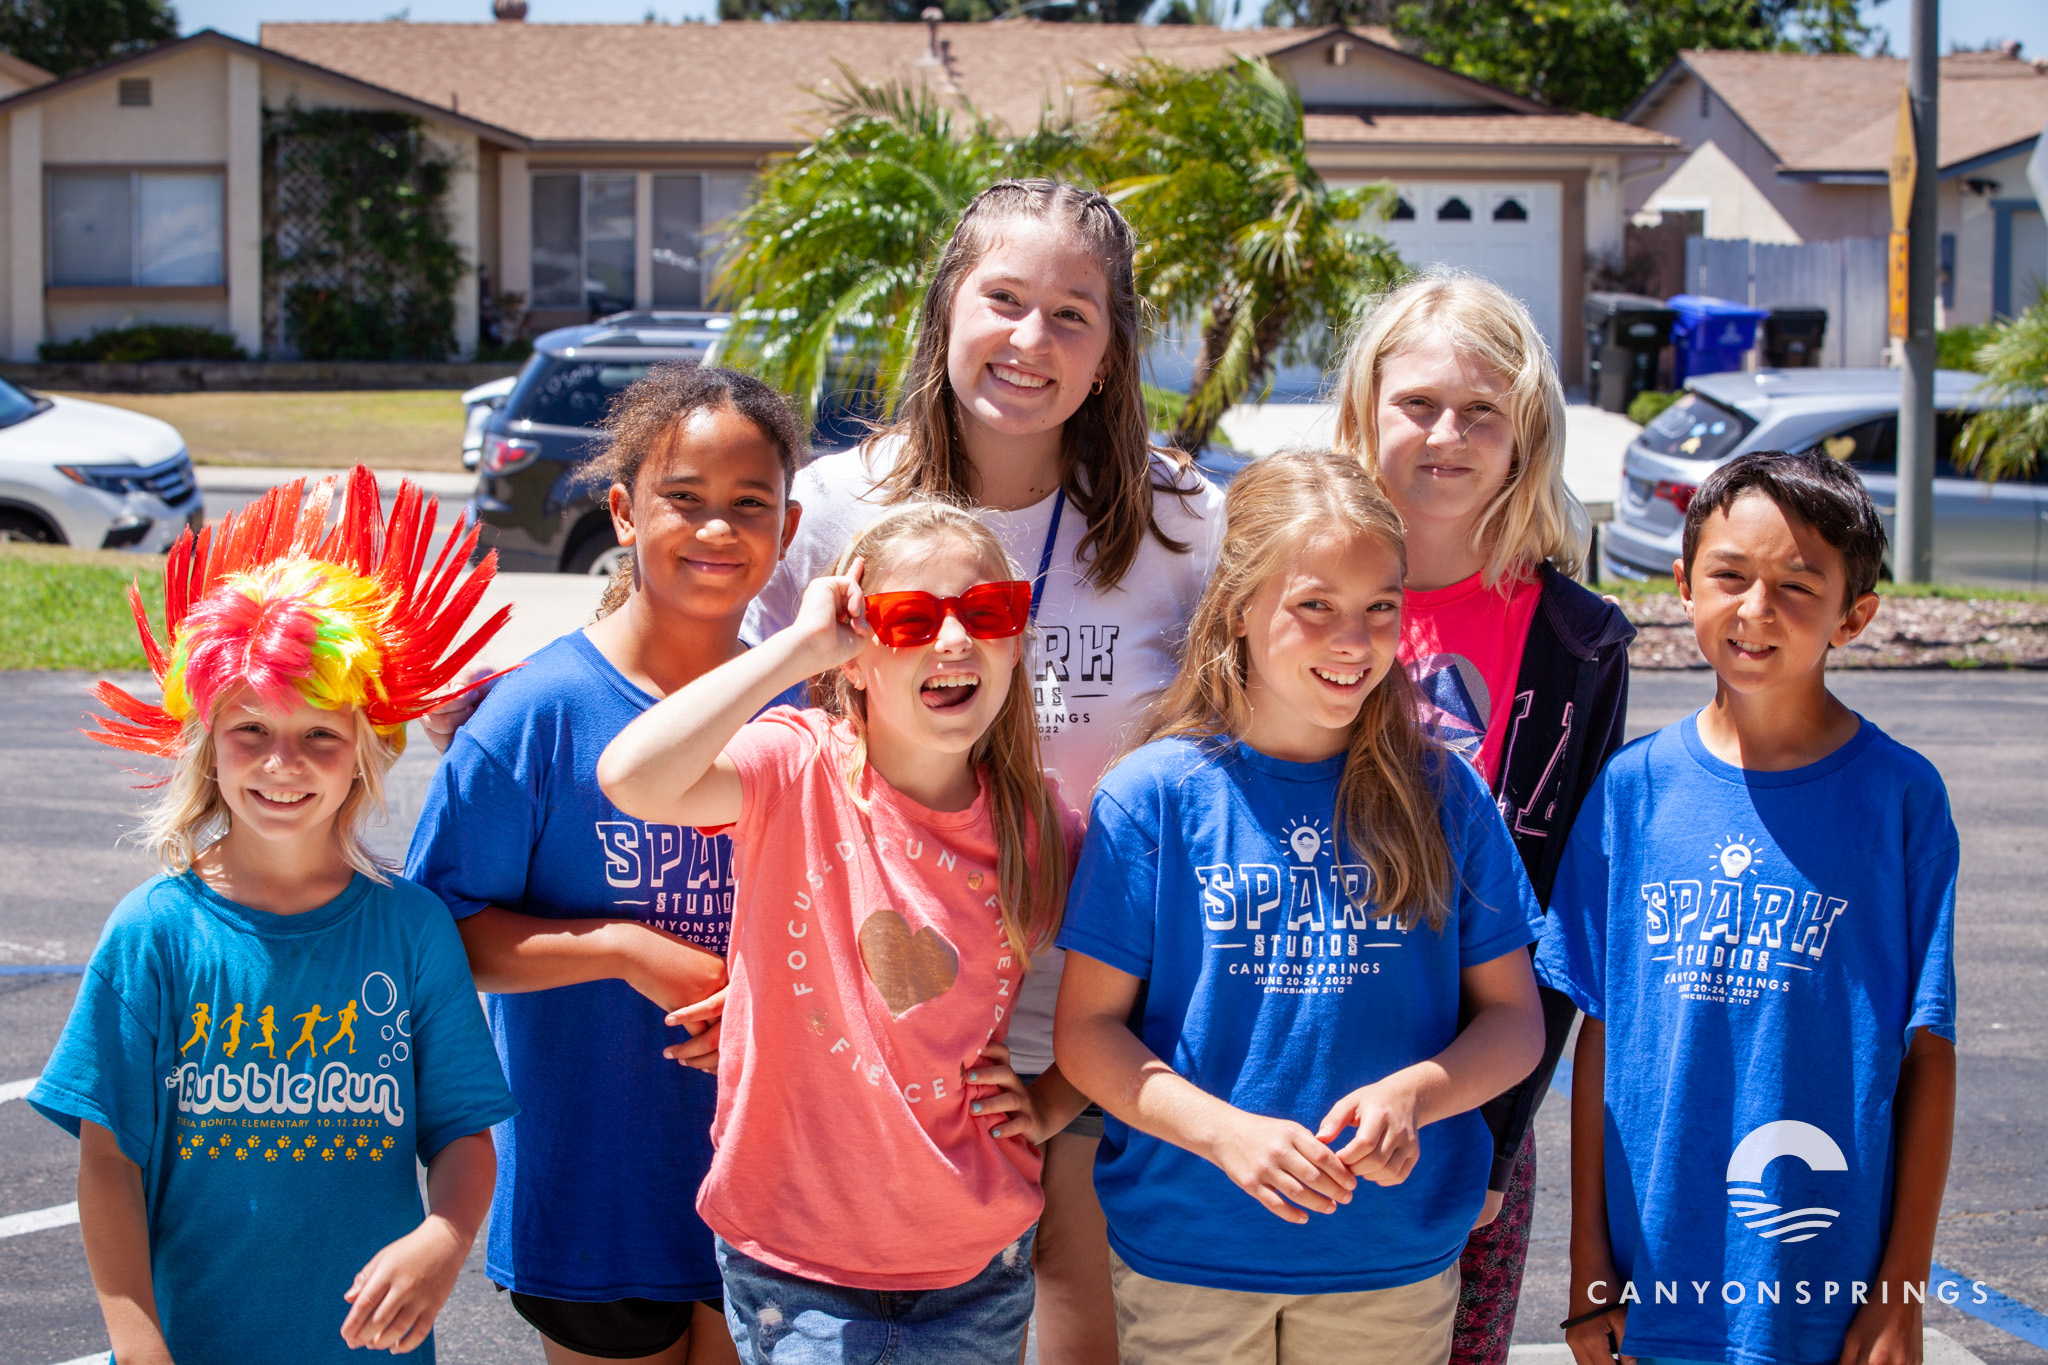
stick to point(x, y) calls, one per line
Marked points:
point(64, 802)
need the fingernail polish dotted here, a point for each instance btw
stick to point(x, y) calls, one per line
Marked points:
point(977, 1108)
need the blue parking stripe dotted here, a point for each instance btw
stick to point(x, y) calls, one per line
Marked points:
point(2002, 1311)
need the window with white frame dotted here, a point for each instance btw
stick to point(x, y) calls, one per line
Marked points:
point(583, 241)
point(135, 228)
point(585, 254)
point(690, 211)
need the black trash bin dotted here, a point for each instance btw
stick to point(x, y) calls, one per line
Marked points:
point(1792, 336)
point(1624, 333)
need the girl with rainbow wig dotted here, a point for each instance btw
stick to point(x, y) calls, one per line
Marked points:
point(273, 1030)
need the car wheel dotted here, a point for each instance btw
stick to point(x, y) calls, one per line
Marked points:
point(24, 529)
point(597, 554)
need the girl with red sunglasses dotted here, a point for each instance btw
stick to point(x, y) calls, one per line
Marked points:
point(1022, 402)
point(900, 855)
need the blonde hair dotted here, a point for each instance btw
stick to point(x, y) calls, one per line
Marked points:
point(1029, 826)
point(1388, 799)
point(1105, 447)
point(1533, 517)
point(189, 813)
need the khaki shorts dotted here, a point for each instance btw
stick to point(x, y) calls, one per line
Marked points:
point(1160, 1323)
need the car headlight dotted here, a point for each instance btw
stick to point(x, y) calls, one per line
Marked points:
point(110, 478)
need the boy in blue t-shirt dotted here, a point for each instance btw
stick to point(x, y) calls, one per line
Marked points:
point(1756, 912)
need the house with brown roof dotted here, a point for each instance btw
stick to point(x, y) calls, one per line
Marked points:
point(596, 160)
point(1794, 147)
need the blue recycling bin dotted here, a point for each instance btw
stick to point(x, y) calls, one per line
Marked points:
point(1711, 335)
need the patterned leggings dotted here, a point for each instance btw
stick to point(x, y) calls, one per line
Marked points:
point(1492, 1271)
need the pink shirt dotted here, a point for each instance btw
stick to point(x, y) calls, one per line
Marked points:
point(868, 968)
point(1463, 647)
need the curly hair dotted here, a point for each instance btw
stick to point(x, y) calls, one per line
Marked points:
point(646, 414)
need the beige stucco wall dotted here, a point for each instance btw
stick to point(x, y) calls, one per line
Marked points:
point(25, 232)
point(1710, 180)
point(1369, 77)
point(1812, 212)
point(185, 122)
point(465, 225)
point(6, 241)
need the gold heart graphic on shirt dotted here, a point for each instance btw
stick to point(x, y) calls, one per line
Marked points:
point(908, 969)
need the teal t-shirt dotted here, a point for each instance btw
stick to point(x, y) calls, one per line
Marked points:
point(275, 1077)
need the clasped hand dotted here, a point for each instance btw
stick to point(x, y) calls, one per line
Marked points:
point(1294, 1172)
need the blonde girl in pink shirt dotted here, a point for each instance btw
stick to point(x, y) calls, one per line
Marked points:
point(899, 855)
point(1450, 400)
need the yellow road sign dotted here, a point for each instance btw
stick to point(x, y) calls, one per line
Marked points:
point(1905, 165)
point(1897, 290)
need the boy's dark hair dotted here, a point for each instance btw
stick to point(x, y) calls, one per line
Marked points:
point(641, 417)
point(1823, 493)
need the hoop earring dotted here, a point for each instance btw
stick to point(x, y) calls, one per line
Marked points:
point(1097, 388)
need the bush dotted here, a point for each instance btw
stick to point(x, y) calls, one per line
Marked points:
point(1645, 407)
point(149, 341)
point(1956, 347)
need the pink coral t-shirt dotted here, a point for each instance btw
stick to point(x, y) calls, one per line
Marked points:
point(1462, 646)
point(868, 968)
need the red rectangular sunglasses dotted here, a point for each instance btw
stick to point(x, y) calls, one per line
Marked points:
point(987, 611)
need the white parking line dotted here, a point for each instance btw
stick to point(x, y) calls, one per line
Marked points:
point(63, 1216)
point(14, 1090)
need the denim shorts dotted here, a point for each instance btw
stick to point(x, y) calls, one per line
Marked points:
point(782, 1319)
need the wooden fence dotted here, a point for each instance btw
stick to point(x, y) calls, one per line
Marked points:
point(1846, 277)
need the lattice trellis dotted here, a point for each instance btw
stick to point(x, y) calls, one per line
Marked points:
point(358, 261)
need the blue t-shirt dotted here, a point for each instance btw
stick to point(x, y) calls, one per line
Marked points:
point(275, 1077)
point(1210, 871)
point(1761, 947)
point(598, 1176)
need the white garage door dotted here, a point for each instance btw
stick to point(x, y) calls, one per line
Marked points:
point(1504, 231)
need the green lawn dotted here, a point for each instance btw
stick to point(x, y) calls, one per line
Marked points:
point(385, 429)
point(64, 608)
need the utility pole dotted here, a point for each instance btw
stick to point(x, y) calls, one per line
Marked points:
point(1913, 528)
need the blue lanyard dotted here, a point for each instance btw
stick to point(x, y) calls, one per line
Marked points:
point(1052, 533)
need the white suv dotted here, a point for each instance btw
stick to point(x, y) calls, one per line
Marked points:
point(93, 476)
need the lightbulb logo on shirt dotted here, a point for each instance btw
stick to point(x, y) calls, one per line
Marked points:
point(1738, 934)
point(1305, 924)
point(1752, 1203)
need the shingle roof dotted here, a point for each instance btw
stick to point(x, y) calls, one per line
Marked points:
point(753, 85)
point(1555, 131)
point(1821, 113)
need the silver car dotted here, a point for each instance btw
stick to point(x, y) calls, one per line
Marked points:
point(1991, 534)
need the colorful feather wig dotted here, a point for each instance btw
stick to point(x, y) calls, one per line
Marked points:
point(274, 600)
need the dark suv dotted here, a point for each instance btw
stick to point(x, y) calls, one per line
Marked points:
point(532, 500)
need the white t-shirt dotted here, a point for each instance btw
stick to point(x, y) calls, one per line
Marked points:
point(1098, 659)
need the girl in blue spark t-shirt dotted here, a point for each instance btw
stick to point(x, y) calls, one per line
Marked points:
point(1281, 900)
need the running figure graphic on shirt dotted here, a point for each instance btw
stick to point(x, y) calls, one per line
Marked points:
point(233, 1022)
point(309, 1018)
point(202, 1023)
point(347, 1020)
point(267, 1021)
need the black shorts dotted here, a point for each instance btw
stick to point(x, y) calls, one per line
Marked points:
point(624, 1329)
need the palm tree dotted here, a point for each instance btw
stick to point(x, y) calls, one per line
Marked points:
point(2008, 434)
point(825, 268)
point(1239, 236)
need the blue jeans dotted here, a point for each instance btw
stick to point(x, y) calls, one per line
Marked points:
point(782, 1319)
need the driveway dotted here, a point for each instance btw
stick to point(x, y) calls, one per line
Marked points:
point(64, 802)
